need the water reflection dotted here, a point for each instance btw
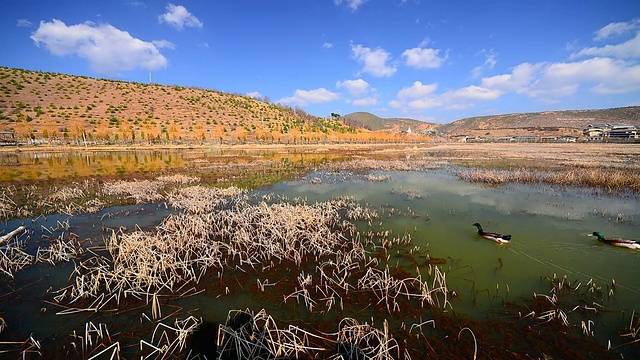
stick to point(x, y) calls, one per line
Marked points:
point(17, 166)
point(549, 227)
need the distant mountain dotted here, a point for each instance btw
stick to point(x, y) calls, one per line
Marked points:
point(567, 120)
point(547, 123)
point(374, 123)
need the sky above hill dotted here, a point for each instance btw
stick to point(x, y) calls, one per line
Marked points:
point(436, 61)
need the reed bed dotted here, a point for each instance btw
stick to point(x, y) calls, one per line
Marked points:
point(7, 206)
point(178, 179)
point(610, 179)
point(60, 251)
point(251, 238)
point(142, 191)
point(12, 255)
point(408, 164)
point(21, 349)
point(378, 177)
point(556, 308)
point(167, 341)
point(200, 199)
point(410, 193)
point(66, 193)
point(249, 335)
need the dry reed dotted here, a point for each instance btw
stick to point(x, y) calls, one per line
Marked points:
point(142, 191)
point(12, 255)
point(199, 199)
point(611, 179)
point(60, 251)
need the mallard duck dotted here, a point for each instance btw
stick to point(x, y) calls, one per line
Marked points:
point(630, 244)
point(500, 239)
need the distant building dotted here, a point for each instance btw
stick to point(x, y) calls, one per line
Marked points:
point(618, 131)
point(7, 138)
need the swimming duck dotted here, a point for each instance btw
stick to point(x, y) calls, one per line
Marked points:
point(500, 239)
point(631, 244)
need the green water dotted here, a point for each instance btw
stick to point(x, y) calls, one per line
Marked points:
point(549, 226)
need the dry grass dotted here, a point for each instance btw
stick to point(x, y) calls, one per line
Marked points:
point(409, 164)
point(142, 191)
point(249, 335)
point(612, 180)
point(12, 255)
point(200, 199)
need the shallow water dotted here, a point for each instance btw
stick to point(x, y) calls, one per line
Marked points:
point(549, 226)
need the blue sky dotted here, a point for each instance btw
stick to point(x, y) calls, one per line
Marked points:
point(436, 61)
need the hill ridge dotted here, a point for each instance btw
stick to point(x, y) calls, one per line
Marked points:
point(51, 106)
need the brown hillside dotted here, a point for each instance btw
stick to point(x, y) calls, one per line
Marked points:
point(48, 106)
point(565, 122)
point(394, 125)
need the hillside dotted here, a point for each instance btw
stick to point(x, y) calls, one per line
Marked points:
point(558, 122)
point(49, 106)
point(374, 123)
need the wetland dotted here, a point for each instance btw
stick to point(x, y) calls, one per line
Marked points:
point(342, 252)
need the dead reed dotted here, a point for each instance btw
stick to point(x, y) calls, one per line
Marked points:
point(408, 164)
point(12, 255)
point(610, 179)
point(142, 191)
point(249, 335)
point(200, 199)
point(60, 251)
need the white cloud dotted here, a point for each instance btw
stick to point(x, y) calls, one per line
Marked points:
point(178, 16)
point(474, 92)
point(617, 29)
point(517, 81)
point(368, 101)
point(375, 61)
point(163, 44)
point(424, 104)
point(306, 97)
point(490, 62)
point(24, 23)
point(423, 58)
point(629, 49)
point(327, 45)
point(417, 97)
point(254, 95)
point(554, 80)
point(605, 74)
point(351, 4)
point(108, 49)
point(417, 90)
point(355, 87)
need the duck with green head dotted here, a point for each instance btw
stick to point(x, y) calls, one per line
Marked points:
point(499, 238)
point(629, 244)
